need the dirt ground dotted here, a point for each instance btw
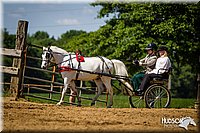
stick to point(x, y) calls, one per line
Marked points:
point(27, 116)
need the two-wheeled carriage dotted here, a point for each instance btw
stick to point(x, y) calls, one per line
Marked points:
point(156, 95)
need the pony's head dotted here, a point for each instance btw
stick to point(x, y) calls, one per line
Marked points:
point(46, 57)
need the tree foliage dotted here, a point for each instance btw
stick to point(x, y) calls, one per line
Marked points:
point(133, 26)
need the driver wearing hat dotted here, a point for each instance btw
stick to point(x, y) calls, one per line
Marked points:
point(148, 62)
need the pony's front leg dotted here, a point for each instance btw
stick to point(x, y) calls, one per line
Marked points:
point(66, 83)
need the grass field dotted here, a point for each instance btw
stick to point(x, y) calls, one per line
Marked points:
point(120, 101)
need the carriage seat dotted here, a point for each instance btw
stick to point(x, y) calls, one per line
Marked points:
point(163, 79)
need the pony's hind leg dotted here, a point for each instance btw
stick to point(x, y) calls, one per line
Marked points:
point(107, 82)
point(100, 87)
point(72, 98)
point(76, 92)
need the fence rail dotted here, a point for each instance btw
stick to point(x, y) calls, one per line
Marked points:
point(11, 52)
point(9, 70)
point(39, 69)
point(14, 53)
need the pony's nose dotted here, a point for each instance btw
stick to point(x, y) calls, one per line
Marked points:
point(43, 66)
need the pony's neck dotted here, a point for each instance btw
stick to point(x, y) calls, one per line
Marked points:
point(58, 54)
point(58, 58)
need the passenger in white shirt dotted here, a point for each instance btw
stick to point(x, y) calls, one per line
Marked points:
point(162, 66)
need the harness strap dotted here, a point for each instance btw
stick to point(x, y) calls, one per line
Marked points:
point(70, 56)
point(79, 59)
point(64, 68)
point(78, 72)
point(104, 63)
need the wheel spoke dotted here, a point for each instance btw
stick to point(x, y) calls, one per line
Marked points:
point(137, 101)
point(157, 97)
point(162, 94)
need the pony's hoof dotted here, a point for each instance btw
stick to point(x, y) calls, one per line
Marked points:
point(109, 106)
point(58, 104)
point(79, 105)
point(92, 104)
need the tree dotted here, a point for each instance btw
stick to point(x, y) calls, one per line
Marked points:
point(8, 39)
point(41, 38)
point(133, 26)
point(67, 36)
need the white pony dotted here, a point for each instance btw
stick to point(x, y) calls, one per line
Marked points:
point(65, 59)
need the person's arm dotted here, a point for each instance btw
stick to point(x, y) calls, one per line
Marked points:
point(151, 61)
point(142, 61)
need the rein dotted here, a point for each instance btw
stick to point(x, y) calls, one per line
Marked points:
point(54, 64)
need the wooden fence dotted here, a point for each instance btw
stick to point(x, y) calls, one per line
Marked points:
point(18, 55)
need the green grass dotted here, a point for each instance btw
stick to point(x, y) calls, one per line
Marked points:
point(182, 103)
point(120, 101)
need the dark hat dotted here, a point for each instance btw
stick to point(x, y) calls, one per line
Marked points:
point(151, 46)
point(163, 47)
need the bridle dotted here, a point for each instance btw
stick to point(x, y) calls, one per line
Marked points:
point(49, 56)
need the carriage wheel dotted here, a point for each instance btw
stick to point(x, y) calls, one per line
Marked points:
point(157, 96)
point(137, 101)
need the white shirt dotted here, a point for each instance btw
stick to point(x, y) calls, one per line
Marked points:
point(161, 63)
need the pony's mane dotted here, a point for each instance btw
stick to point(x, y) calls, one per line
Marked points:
point(59, 50)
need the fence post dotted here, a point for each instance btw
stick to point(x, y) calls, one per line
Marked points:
point(15, 87)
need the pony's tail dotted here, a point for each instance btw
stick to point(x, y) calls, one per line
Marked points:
point(120, 69)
